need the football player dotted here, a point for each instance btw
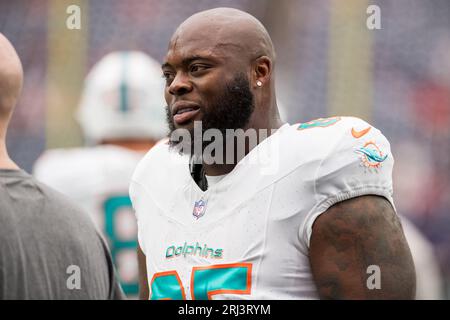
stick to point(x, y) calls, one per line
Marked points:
point(121, 114)
point(321, 223)
point(49, 248)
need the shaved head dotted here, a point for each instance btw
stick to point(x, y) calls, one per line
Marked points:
point(11, 77)
point(219, 70)
point(225, 27)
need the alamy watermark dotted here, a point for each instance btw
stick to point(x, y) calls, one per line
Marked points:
point(73, 282)
point(373, 21)
point(73, 21)
point(374, 280)
point(229, 146)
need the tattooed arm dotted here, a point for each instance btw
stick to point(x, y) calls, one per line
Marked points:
point(353, 235)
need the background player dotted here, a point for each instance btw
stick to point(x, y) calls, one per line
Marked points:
point(121, 115)
point(429, 282)
point(44, 238)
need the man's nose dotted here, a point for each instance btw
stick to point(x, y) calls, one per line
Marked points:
point(180, 85)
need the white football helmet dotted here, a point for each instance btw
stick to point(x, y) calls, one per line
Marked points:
point(123, 98)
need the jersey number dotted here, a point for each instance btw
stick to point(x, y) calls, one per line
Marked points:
point(205, 282)
point(111, 207)
point(321, 122)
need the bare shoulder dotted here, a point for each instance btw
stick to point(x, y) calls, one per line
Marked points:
point(350, 239)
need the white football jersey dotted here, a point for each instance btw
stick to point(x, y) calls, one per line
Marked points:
point(97, 179)
point(247, 236)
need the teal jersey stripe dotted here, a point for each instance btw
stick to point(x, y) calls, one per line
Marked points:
point(123, 85)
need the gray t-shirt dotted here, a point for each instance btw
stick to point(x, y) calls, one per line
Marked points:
point(49, 248)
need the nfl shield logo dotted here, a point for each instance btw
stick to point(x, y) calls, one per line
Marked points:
point(199, 208)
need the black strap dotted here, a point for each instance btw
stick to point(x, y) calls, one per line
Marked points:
point(198, 174)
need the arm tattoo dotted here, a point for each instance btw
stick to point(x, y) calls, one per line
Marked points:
point(348, 238)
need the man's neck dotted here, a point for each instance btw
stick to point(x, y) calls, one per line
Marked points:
point(8, 164)
point(5, 160)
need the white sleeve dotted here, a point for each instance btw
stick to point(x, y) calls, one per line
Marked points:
point(45, 167)
point(143, 193)
point(137, 197)
point(353, 167)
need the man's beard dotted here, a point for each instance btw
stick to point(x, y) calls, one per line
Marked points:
point(230, 110)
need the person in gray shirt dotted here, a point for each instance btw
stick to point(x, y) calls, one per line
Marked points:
point(49, 248)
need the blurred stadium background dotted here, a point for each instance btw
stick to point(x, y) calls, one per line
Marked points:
point(329, 63)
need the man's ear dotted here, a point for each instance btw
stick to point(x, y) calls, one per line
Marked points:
point(262, 71)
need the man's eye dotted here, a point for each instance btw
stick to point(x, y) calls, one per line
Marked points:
point(197, 67)
point(167, 75)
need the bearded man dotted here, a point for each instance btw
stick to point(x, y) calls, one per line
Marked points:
point(322, 225)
